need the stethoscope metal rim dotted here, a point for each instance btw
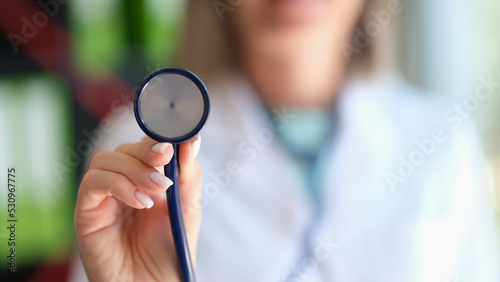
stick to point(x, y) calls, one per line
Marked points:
point(206, 105)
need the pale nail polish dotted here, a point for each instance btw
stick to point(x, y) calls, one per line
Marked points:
point(160, 179)
point(144, 199)
point(160, 148)
point(196, 146)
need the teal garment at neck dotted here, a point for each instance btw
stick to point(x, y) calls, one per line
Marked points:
point(306, 137)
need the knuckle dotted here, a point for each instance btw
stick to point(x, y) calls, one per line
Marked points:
point(123, 182)
point(155, 161)
point(199, 171)
point(123, 147)
point(98, 157)
point(89, 177)
point(192, 176)
point(146, 138)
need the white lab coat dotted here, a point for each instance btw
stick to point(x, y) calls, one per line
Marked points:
point(259, 224)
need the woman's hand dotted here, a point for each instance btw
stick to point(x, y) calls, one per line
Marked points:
point(121, 235)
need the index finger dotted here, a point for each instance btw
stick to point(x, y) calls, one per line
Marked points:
point(150, 152)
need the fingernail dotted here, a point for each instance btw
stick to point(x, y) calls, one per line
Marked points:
point(160, 179)
point(144, 199)
point(160, 148)
point(196, 146)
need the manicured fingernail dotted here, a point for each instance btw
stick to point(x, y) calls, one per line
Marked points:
point(196, 146)
point(160, 148)
point(160, 179)
point(144, 199)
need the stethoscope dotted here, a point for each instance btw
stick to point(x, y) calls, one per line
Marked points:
point(171, 105)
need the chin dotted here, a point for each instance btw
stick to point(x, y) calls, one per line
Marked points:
point(319, 95)
point(293, 12)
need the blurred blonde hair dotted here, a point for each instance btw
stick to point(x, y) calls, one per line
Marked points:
point(206, 47)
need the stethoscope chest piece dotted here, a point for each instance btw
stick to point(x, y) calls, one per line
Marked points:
point(171, 105)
